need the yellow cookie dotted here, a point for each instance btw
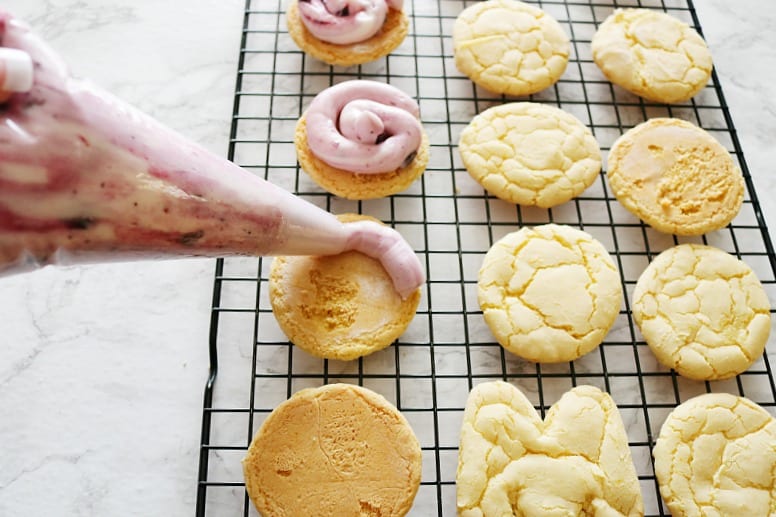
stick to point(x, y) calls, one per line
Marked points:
point(716, 455)
point(340, 306)
point(675, 177)
point(390, 36)
point(703, 312)
point(550, 293)
point(335, 451)
point(351, 185)
point(574, 462)
point(530, 154)
point(509, 47)
point(652, 54)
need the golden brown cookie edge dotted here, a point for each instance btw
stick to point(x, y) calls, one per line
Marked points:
point(350, 185)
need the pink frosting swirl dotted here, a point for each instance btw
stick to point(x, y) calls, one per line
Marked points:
point(344, 22)
point(389, 247)
point(364, 127)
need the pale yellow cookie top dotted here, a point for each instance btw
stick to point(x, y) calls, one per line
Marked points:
point(574, 462)
point(675, 177)
point(338, 306)
point(702, 311)
point(716, 455)
point(509, 47)
point(652, 54)
point(530, 154)
point(549, 293)
point(338, 450)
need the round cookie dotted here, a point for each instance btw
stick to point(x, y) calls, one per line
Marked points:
point(675, 177)
point(350, 185)
point(390, 36)
point(716, 455)
point(340, 306)
point(652, 54)
point(703, 312)
point(549, 293)
point(509, 47)
point(333, 451)
point(530, 154)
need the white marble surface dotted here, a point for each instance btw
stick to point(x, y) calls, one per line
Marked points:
point(102, 367)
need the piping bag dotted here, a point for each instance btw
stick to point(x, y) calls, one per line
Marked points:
point(86, 178)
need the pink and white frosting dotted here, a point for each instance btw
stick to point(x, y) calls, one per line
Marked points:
point(364, 127)
point(344, 22)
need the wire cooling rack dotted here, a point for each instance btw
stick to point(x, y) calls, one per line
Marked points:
point(451, 223)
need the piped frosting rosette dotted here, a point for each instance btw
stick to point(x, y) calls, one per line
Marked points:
point(347, 32)
point(344, 22)
point(362, 140)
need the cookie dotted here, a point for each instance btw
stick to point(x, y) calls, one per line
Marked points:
point(574, 462)
point(509, 47)
point(549, 293)
point(385, 41)
point(339, 306)
point(702, 311)
point(362, 139)
point(675, 177)
point(338, 450)
point(652, 54)
point(530, 154)
point(357, 186)
point(716, 455)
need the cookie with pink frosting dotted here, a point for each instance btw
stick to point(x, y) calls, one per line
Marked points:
point(340, 306)
point(347, 32)
point(362, 140)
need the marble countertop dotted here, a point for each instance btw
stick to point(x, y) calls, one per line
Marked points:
point(102, 367)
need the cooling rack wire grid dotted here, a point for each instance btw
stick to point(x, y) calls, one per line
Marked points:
point(451, 223)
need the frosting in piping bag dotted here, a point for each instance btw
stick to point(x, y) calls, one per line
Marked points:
point(83, 176)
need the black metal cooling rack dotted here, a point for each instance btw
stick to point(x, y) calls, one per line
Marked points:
point(451, 223)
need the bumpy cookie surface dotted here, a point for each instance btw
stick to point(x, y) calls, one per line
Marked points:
point(716, 455)
point(675, 177)
point(389, 37)
point(574, 462)
point(340, 306)
point(530, 154)
point(703, 312)
point(509, 47)
point(350, 185)
point(339, 450)
point(549, 293)
point(652, 54)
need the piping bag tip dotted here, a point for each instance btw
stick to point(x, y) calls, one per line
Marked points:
point(18, 70)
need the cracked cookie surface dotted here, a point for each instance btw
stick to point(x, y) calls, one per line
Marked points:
point(652, 54)
point(510, 47)
point(549, 293)
point(716, 455)
point(339, 306)
point(338, 451)
point(675, 177)
point(574, 462)
point(530, 154)
point(702, 311)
